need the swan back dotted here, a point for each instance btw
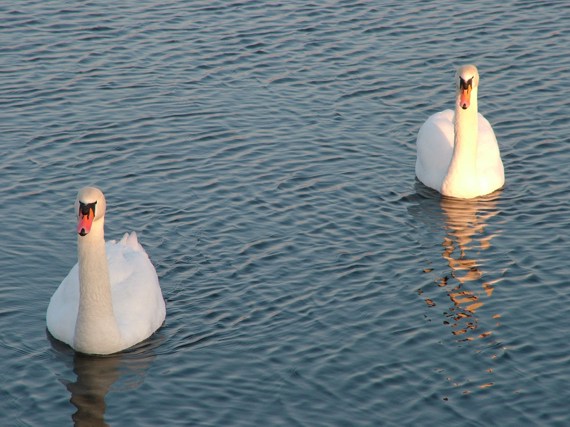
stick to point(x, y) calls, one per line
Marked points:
point(137, 298)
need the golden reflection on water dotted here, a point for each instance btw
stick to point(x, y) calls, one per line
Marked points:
point(465, 222)
point(466, 283)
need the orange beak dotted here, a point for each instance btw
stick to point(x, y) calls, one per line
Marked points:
point(465, 97)
point(84, 221)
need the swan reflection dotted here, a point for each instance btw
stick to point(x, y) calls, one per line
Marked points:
point(97, 375)
point(465, 240)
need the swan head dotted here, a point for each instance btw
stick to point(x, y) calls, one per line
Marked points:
point(467, 80)
point(90, 207)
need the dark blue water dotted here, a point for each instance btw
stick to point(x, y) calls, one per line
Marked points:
point(264, 153)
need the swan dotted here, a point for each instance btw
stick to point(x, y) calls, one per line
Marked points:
point(457, 153)
point(111, 299)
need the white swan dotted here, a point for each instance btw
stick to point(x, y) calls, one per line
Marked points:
point(458, 154)
point(111, 298)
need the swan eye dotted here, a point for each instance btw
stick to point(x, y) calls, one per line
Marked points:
point(86, 208)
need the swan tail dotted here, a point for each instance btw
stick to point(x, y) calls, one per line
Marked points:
point(131, 241)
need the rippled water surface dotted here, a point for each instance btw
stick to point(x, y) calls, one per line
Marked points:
point(264, 152)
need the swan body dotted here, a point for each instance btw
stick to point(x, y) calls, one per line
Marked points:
point(457, 151)
point(111, 299)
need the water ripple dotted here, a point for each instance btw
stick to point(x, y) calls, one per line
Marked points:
point(264, 153)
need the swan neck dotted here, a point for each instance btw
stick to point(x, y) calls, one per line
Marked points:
point(461, 178)
point(465, 125)
point(93, 267)
point(96, 321)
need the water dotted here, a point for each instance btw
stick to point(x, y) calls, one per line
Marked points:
point(265, 155)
